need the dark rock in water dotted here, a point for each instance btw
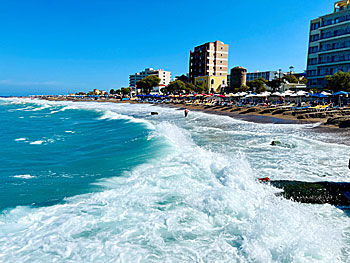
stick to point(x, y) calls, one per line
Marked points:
point(154, 113)
point(342, 122)
point(337, 194)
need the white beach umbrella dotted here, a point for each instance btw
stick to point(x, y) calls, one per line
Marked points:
point(302, 93)
point(277, 93)
point(326, 93)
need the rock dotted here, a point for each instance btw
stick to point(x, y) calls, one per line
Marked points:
point(303, 116)
point(345, 123)
point(250, 110)
point(337, 194)
point(154, 113)
point(342, 122)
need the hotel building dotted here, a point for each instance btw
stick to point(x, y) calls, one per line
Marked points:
point(329, 44)
point(266, 75)
point(165, 76)
point(209, 59)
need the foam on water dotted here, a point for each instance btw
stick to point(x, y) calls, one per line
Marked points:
point(23, 176)
point(20, 139)
point(199, 202)
point(193, 205)
point(36, 142)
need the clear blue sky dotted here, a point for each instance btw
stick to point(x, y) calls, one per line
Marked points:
point(56, 46)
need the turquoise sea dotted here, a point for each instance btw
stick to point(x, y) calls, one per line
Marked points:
point(104, 182)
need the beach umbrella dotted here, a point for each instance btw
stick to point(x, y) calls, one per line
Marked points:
point(340, 93)
point(326, 93)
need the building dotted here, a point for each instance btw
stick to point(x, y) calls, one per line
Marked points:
point(266, 75)
point(165, 76)
point(209, 59)
point(214, 84)
point(329, 44)
point(238, 78)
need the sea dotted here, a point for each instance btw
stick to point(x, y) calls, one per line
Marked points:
point(109, 182)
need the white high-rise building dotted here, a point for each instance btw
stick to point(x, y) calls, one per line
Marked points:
point(165, 76)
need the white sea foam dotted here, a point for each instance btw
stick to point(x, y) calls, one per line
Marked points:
point(20, 139)
point(24, 176)
point(200, 202)
point(69, 132)
point(36, 142)
point(192, 205)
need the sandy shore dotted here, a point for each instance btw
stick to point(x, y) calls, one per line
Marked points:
point(256, 114)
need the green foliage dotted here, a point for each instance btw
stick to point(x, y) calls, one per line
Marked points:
point(303, 81)
point(258, 85)
point(291, 78)
point(91, 93)
point(176, 86)
point(243, 88)
point(316, 90)
point(189, 87)
point(183, 78)
point(340, 81)
point(118, 91)
point(201, 87)
point(274, 84)
point(148, 83)
point(80, 93)
point(125, 91)
point(112, 91)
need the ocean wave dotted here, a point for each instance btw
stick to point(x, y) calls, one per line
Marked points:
point(39, 142)
point(191, 205)
point(111, 115)
point(24, 176)
point(20, 139)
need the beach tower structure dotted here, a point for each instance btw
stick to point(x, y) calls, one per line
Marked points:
point(329, 45)
point(238, 78)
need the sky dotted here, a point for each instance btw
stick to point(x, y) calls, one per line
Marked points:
point(61, 46)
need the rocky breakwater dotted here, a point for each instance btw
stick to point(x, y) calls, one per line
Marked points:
point(333, 193)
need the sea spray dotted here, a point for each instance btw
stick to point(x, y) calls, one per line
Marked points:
point(195, 200)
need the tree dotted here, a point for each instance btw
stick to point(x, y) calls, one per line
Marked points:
point(125, 91)
point(243, 88)
point(274, 84)
point(148, 83)
point(201, 87)
point(118, 91)
point(340, 81)
point(183, 78)
point(259, 85)
point(291, 78)
point(176, 86)
point(80, 93)
point(112, 91)
point(303, 81)
point(189, 87)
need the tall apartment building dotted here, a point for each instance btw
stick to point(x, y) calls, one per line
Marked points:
point(209, 59)
point(165, 76)
point(329, 44)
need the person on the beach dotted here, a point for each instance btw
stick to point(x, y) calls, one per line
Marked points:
point(186, 112)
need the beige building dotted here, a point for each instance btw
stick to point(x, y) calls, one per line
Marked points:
point(214, 84)
point(165, 76)
point(209, 59)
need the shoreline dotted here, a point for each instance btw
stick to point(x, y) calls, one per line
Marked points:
point(255, 116)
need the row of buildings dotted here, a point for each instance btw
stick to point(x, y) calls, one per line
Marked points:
point(329, 52)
